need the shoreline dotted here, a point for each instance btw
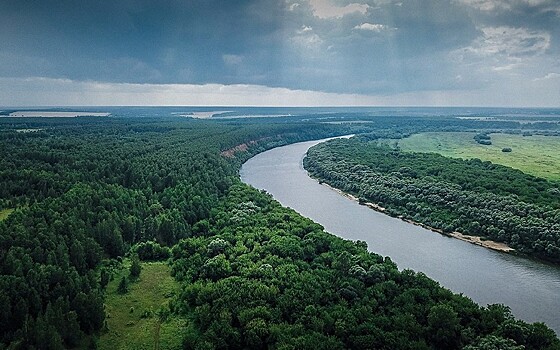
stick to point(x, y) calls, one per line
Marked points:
point(476, 240)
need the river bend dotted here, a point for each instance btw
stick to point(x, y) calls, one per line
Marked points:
point(531, 289)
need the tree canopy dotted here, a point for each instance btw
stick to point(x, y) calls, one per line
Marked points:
point(470, 196)
point(85, 193)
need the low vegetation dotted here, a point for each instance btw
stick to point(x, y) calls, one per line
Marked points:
point(533, 154)
point(140, 317)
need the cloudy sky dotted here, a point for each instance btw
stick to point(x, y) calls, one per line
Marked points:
point(280, 52)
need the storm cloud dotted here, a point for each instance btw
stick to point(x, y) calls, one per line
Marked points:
point(375, 48)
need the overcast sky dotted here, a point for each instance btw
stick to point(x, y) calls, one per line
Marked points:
point(280, 52)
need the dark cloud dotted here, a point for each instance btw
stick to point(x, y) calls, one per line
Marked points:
point(374, 46)
point(156, 39)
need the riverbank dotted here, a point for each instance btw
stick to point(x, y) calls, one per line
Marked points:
point(484, 275)
point(498, 246)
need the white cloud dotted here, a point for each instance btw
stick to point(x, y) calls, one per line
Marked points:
point(506, 67)
point(326, 9)
point(549, 76)
point(374, 27)
point(486, 5)
point(500, 54)
point(305, 29)
point(232, 60)
point(63, 92)
point(510, 42)
point(508, 5)
point(308, 41)
point(36, 91)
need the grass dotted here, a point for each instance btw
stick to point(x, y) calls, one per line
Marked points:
point(126, 328)
point(536, 155)
point(4, 213)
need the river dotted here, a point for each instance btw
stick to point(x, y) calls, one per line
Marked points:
point(531, 289)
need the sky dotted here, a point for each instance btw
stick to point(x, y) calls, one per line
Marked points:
point(280, 52)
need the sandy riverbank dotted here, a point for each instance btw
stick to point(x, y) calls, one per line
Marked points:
point(201, 115)
point(502, 247)
point(478, 241)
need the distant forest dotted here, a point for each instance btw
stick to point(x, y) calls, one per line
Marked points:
point(470, 196)
point(81, 194)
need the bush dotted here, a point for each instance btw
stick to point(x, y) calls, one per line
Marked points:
point(135, 268)
point(123, 286)
point(506, 149)
point(483, 139)
point(151, 251)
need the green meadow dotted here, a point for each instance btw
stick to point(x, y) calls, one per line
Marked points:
point(536, 155)
point(133, 320)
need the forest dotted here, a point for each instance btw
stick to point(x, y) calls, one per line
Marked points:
point(469, 196)
point(81, 195)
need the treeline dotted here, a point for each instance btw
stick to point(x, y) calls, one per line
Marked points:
point(89, 190)
point(261, 276)
point(255, 275)
point(469, 196)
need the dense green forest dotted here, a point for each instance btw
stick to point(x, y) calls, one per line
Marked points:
point(303, 288)
point(469, 196)
point(85, 193)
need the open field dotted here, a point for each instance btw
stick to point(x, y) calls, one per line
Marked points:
point(51, 114)
point(128, 326)
point(4, 213)
point(536, 155)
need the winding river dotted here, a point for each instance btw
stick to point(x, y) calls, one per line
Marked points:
point(531, 289)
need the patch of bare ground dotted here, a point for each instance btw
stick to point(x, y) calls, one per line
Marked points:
point(483, 243)
point(230, 153)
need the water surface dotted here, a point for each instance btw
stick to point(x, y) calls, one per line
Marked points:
point(531, 289)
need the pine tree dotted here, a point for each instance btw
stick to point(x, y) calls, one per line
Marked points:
point(104, 278)
point(135, 268)
point(123, 286)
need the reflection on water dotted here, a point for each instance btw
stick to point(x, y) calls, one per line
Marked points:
point(530, 288)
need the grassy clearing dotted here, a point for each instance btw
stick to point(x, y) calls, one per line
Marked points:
point(4, 213)
point(127, 328)
point(536, 155)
